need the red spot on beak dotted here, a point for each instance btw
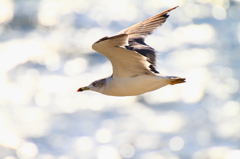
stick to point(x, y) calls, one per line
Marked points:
point(80, 90)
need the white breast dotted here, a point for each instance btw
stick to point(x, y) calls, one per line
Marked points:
point(133, 85)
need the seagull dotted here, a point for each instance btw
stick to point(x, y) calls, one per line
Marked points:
point(133, 61)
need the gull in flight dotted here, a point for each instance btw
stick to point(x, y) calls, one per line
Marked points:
point(133, 61)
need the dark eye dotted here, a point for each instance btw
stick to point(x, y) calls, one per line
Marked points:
point(94, 84)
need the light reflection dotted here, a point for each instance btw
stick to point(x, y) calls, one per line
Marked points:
point(63, 157)
point(27, 150)
point(46, 156)
point(127, 151)
point(65, 105)
point(31, 122)
point(192, 10)
point(75, 66)
point(56, 140)
point(223, 89)
point(217, 152)
point(53, 83)
point(9, 139)
point(109, 124)
point(164, 95)
point(199, 155)
point(205, 11)
point(231, 109)
point(199, 116)
point(46, 54)
point(203, 137)
point(82, 6)
point(228, 129)
point(10, 157)
point(107, 152)
point(96, 104)
point(204, 1)
point(234, 12)
point(16, 95)
point(193, 92)
point(83, 143)
point(103, 135)
point(52, 10)
point(195, 34)
point(159, 155)
point(146, 141)
point(233, 154)
point(170, 122)
point(103, 20)
point(6, 10)
point(193, 57)
point(176, 143)
point(42, 99)
point(52, 63)
point(233, 85)
point(219, 13)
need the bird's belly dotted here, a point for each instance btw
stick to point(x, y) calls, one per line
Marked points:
point(136, 85)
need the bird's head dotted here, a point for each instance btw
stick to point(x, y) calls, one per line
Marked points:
point(94, 86)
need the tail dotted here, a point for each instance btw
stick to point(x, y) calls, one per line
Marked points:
point(176, 80)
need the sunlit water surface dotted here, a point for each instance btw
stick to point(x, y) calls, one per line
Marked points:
point(46, 55)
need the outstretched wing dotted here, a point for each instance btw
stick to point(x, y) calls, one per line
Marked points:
point(147, 26)
point(125, 63)
point(139, 31)
point(127, 51)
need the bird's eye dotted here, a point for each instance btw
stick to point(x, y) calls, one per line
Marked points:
point(94, 84)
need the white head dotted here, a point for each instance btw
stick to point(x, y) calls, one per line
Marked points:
point(94, 86)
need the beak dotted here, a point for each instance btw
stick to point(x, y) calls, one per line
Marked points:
point(83, 89)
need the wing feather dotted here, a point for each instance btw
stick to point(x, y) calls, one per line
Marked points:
point(127, 51)
point(125, 63)
point(138, 32)
point(147, 26)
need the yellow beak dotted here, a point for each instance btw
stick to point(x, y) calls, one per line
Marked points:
point(83, 89)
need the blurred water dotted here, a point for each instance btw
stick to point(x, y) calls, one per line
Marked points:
point(46, 55)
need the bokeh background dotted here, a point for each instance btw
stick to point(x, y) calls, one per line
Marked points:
point(46, 55)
